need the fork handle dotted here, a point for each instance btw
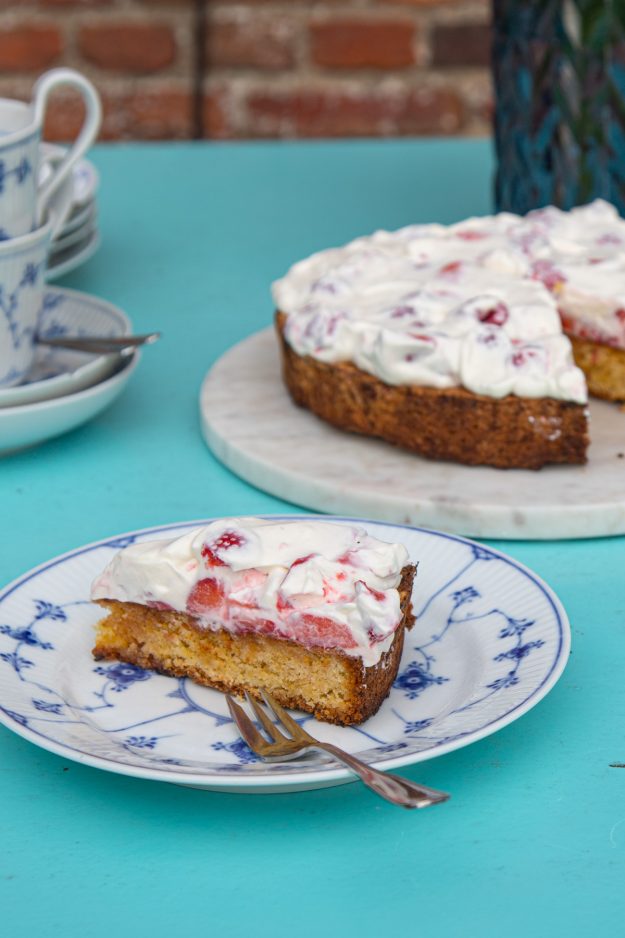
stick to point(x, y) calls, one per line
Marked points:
point(393, 788)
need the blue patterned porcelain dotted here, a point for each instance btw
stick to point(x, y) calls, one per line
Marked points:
point(56, 371)
point(491, 639)
point(24, 195)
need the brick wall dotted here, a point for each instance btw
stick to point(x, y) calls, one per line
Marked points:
point(258, 68)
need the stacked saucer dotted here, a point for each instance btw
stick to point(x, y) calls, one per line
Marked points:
point(78, 239)
point(64, 388)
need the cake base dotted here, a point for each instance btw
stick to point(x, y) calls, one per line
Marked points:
point(331, 685)
point(603, 366)
point(445, 424)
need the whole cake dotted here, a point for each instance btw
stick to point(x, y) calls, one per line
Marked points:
point(449, 340)
point(311, 611)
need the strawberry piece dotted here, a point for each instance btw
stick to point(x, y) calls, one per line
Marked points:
point(452, 268)
point(211, 559)
point(228, 539)
point(377, 594)
point(322, 632)
point(206, 595)
point(495, 316)
point(300, 560)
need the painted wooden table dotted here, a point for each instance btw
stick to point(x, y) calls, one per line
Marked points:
point(533, 840)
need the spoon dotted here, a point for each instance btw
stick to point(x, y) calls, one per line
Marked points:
point(100, 345)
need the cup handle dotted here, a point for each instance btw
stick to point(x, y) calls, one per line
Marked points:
point(48, 82)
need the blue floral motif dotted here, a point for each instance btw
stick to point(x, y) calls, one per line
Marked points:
point(30, 274)
point(18, 717)
point(21, 171)
point(26, 636)
point(416, 726)
point(141, 742)
point(519, 651)
point(16, 661)
point(238, 748)
point(415, 679)
point(515, 627)
point(123, 676)
point(465, 595)
point(46, 610)
point(508, 680)
point(46, 707)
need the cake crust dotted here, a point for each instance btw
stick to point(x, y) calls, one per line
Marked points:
point(333, 686)
point(444, 424)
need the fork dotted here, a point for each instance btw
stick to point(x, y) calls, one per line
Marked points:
point(279, 746)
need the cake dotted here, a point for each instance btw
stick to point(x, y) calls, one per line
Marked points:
point(475, 342)
point(311, 611)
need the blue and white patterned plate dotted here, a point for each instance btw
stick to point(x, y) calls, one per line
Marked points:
point(57, 371)
point(491, 639)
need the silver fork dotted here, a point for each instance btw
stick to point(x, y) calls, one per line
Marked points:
point(279, 746)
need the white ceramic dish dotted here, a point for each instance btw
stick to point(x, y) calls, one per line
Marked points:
point(63, 262)
point(86, 179)
point(491, 639)
point(57, 371)
point(78, 218)
point(253, 427)
point(79, 236)
point(30, 424)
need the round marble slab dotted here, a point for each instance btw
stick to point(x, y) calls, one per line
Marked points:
point(252, 426)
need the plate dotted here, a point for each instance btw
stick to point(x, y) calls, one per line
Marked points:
point(86, 179)
point(79, 235)
point(491, 639)
point(77, 219)
point(253, 427)
point(57, 371)
point(30, 424)
point(64, 262)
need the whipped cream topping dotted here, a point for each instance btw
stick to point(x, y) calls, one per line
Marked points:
point(317, 583)
point(476, 304)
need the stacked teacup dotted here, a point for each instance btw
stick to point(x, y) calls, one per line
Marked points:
point(31, 213)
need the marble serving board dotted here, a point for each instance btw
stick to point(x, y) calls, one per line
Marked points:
point(252, 426)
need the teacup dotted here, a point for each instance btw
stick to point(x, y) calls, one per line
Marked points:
point(22, 280)
point(23, 200)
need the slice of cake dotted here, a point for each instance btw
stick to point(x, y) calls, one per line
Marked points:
point(440, 340)
point(311, 611)
point(580, 256)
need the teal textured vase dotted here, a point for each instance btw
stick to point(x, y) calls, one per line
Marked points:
point(559, 73)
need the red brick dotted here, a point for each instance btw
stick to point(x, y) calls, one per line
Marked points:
point(250, 43)
point(75, 3)
point(308, 113)
point(29, 48)
point(461, 44)
point(362, 43)
point(152, 114)
point(128, 47)
point(215, 110)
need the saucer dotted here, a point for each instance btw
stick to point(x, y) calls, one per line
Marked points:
point(62, 262)
point(33, 423)
point(57, 371)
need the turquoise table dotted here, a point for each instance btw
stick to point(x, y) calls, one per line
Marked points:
point(532, 842)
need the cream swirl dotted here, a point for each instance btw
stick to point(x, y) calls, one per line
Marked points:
point(320, 584)
point(472, 304)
